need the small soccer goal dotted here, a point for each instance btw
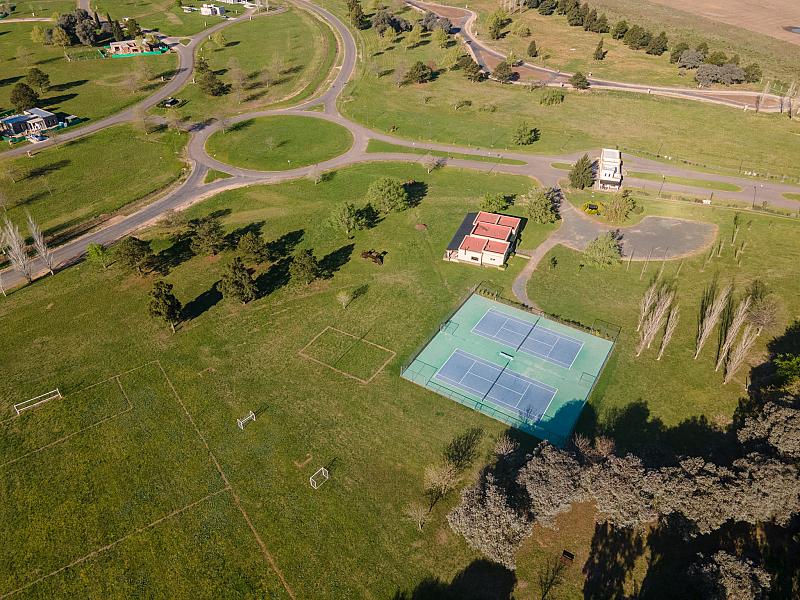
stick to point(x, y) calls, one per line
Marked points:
point(41, 399)
point(318, 478)
point(251, 416)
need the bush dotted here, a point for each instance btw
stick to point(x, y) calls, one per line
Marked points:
point(618, 207)
point(603, 251)
point(752, 73)
point(525, 135)
point(579, 81)
point(418, 73)
point(494, 203)
point(593, 207)
point(533, 51)
point(463, 104)
point(388, 194)
point(503, 72)
point(552, 97)
point(521, 30)
point(690, 59)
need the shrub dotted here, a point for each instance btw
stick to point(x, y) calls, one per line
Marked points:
point(579, 81)
point(388, 194)
point(494, 203)
point(463, 104)
point(521, 30)
point(551, 97)
point(525, 135)
point(603, 251)
point(418, 73)
point(503, 72)
point(690, 59)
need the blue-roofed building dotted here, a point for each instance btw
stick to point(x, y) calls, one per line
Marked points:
point(33, 120)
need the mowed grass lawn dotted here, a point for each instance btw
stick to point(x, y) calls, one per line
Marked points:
point(703, 183)
point(283, 55)
point(162, 15)
point(716, 136)
point(66, 186)
point(40, 8)
point(346, 540)
point(279, 143)
point(677, 388)
point(89, 89)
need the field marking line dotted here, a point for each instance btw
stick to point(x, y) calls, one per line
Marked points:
point(237, 501)
point(102, 549)
point(392, 354)
point(74, 433)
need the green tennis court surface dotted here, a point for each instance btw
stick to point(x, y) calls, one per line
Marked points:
point(520, 368)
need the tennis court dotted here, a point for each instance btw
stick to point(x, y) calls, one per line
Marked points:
point(519, 367)
point(534, 339)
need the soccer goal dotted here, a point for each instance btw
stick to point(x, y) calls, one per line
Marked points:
point(251, 416)
point(51, 395)
point(320, 477)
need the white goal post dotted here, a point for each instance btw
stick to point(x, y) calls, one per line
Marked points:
point(320, 477)
point(251, 416)
point(51, 395)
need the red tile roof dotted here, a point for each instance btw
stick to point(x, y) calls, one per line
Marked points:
point(473, 244)
point(496, 247)
point(495, 232)
point(512, 222)
point(487, 217)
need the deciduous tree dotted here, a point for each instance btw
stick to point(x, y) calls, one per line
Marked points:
point(388, 194)
point(603, 251)
point(99, 255)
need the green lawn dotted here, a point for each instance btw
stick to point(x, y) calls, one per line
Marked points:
point(791, 196)
point(40, 8)
point(162, 15)
point(706, 134)
point(380, 146)
point(89, 89)
point(702, 183)
point(279, 143)
point(66, 187)
point(295, 54)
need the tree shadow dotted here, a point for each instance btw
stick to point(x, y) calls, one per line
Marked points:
point(369, 216)
point(284, 246)
point(62, 87)
point(10, 80)
point(48, 168)
point(274, 278)
point(416, 190)
point(232, 238)
point(240, 126)
point(53, 100)
point(176, 254)
point(612, 557)
point(202, 303)
point(331, 263)
point(480, 580)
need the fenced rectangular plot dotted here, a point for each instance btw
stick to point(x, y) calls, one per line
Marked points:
point(347, 354)
point(521, 368)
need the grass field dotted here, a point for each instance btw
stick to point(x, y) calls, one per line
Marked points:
point(295, 54)
point(790, 196)
point(161, 15)
point(380, 146)
point(68, 186)
point(40, 8)
point(89, 89)
point(702, 183)
point(279, 143)
point(711, 135)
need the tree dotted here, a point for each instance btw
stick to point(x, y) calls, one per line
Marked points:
point(14, 245)
point(418, 73)
point(441, 38)
point(164, 305)
point(503, 72)
point(305, 267)
point(61, 38)
point(707, 75)
point(414, 37)
point(238, 79)
point(552, 96)
point(579, 81)
point(417, 514)
point(439, 481)
point(208, 237)
point(357, 16)
point(494, 203)
point(488, 523)
point(740, 351)
point(541, 205)
point(738, 319)
point(690, 59)
point(252, 247)
point(23, 97)
point(581, 175)
point(218, 39)
point(724, 576)
point(132, 28)
point(344, 298)
point(763, 312)
point(116, 31)
point(718, 58)
point(619, 30)
point(86, 32)
point(346, 218)
point(619, 206)
point(98, 254)
point(210, 83)
point(134, 254)
point(495, 23)
point(550, 576)
point(24, 56)
point(525, 135)
point(677, 51)
point(658, 45)
point(669, 330)
point(603, 251)
point(599, 53)
point(472, 70)
point(388, 194)
point(712, 304)
point(39, 243)
point(532, 51)
point(38, 35)
point(38, 80)
point(752, 73)
point(237, 282)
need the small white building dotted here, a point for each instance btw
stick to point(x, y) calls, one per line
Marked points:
point(484, 239)
point(609, 172)
point(212, 10)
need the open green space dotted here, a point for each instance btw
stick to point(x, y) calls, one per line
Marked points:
point(702, 183)
point(40, 8)
point(162, 15)
point(279, 143)
point(89, 89)
point(381, 146)
point(67, 187)
point(295, 54)
point(710, 135)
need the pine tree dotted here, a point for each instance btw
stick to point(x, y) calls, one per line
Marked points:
point(237, 282)
point(599, 53)
point(533, 51)
point(305, 267)
point(164, 305)
point(581, 175)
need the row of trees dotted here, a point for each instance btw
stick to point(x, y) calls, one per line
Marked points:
point(384, 195)
point(15, 248)
point(79, 27)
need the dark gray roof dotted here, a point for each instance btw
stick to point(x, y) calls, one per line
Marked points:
point(463, 230)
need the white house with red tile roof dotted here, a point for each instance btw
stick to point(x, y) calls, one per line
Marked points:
point(484, 239)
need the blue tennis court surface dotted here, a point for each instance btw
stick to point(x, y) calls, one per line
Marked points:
point(528, 337)
point(528, 397)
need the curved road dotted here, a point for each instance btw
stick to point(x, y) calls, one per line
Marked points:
point(193, 189)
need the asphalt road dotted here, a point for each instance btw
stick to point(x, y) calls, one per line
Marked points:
point(540, 168)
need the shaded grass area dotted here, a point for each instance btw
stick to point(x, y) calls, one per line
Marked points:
point(229, 359)
point(702, 183)
point(279, 143)
point(712, 135)
point(85, 178)
point(294, 55)
point(89, 89)
point(381, 146)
